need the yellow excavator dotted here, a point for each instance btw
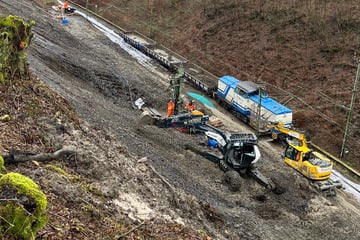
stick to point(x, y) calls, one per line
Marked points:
point(302, 158)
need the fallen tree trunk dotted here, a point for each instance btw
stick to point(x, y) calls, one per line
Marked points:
point(19, 156)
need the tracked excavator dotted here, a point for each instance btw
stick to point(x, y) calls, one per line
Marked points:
point(298, 155)
point(237, 155)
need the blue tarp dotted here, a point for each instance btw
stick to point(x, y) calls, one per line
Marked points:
point(200, 98)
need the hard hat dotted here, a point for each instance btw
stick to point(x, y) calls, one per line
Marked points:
point(192, 101)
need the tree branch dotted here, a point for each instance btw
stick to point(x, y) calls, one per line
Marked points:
point(18, 156)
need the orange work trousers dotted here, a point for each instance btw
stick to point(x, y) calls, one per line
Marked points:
point(170, 109)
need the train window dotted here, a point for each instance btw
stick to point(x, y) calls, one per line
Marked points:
point(265, 94)
point(240, 92)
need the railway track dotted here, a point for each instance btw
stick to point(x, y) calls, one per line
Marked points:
point(347, 184)
point(194, 74)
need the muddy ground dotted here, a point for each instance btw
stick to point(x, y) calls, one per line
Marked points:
point(144, 173)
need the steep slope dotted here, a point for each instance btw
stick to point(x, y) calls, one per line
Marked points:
point(304, 53)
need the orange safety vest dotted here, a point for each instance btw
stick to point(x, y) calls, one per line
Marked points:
point(66, 5)
point(170, 109)
point(189, 106)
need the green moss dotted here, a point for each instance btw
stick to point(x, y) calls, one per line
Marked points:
point(92, 211)
point(91, 189)
point(2, 166)
point(15, 38)
point(5, 118)
point(58, 170)
point(62, 172)
point(23, 218)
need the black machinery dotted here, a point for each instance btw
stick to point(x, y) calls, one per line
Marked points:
point(237, 152)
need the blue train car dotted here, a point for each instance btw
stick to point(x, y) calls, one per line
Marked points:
point(242, 98)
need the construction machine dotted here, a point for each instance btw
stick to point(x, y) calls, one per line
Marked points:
point(190, 122)
point(237, 152)
point(282, 133)
point(298, 155)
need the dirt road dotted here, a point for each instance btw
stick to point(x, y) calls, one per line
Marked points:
point(101, 80)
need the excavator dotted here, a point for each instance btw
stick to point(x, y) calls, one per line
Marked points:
point(237, 152)
point(298, 155)
point(190, 122)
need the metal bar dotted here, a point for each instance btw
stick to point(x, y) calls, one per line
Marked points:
point(351, 109)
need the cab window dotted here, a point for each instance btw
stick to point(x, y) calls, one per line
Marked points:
point(240, 92)
point(292, 153)
point(306, 156)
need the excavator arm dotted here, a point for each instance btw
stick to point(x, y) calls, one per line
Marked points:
point(281, 133)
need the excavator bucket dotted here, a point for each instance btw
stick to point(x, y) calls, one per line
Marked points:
point(148, 116)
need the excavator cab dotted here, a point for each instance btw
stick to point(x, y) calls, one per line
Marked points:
point(241, 155)
point(241, 151)
point(293, 156)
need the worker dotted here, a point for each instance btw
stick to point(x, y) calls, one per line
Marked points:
point(139, 103)
point(190, 106)
point(65, 8)
point(171, 108)
point(66, 5)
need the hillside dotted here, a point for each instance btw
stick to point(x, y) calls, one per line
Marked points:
point(139, 182)
point(304, 53)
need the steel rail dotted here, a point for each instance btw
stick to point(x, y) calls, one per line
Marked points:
point(346, 181)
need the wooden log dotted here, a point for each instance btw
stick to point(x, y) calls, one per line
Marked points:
point(19, 156)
